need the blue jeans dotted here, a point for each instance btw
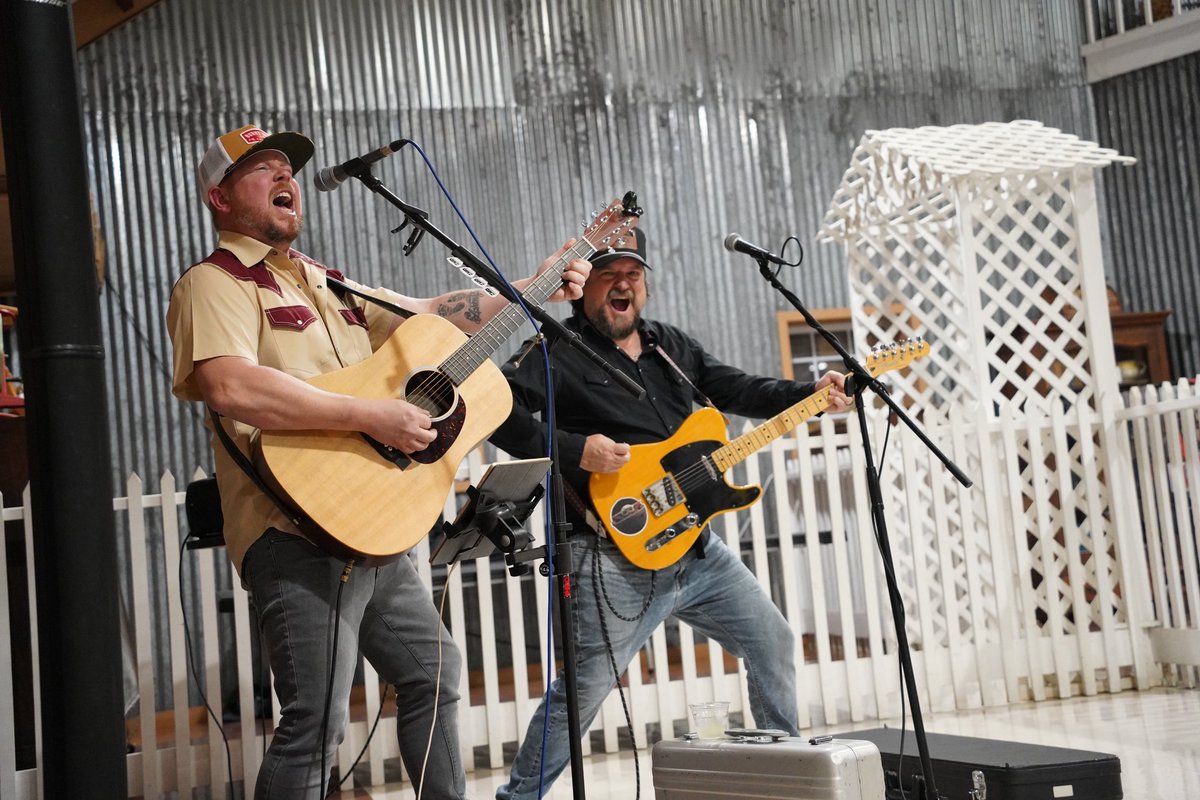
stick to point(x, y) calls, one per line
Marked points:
point(386, 612)
point(716, 595)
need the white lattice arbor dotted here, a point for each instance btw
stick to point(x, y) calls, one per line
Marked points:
point(984, 239)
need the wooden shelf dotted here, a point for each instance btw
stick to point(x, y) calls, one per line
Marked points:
point(1140, 343)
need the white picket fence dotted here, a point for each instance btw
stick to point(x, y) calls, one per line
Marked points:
point(1007, 600)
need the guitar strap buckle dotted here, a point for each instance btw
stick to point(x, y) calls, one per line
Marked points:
point(594, 523)
point(584, 510)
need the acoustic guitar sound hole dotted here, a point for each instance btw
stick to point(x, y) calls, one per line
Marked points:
point(431, 391)
point(436, 394)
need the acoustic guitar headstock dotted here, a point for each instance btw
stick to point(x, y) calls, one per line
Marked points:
point(613, 226)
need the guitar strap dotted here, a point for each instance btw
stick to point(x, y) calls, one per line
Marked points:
point(294, 515)
point(584, 510)
point(698, 545)
point(339, 287)
point(683, 375)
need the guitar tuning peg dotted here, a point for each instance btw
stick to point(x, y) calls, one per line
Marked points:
point(595, 214)
point(607, 240)
point(620, 241)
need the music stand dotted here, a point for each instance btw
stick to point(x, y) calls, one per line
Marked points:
point(495, 512)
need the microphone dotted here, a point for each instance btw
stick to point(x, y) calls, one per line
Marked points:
point(736, 244)
point(328, 179)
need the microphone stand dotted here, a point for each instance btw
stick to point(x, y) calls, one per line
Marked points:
point(557, 549)
point(860, 380)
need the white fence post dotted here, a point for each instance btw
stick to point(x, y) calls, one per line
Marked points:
point(184, 777)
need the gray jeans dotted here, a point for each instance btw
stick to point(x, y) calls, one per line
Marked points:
point(386, 613)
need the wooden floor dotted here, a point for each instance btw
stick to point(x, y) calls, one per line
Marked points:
point(1156, 735)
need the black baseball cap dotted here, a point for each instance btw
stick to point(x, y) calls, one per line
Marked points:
point(637, 252)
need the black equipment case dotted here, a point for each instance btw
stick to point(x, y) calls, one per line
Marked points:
point(1010, 770)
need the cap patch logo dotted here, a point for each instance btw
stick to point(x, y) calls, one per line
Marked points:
point(253, 136)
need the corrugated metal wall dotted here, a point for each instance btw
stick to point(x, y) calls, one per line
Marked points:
point(1154, 261)
point(724, 115)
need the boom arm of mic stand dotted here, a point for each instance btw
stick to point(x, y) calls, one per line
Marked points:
point(420, 219)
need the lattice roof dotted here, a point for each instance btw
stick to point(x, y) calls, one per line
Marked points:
point(898, 169)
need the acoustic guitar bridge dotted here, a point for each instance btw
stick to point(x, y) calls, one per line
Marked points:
point(387, 453)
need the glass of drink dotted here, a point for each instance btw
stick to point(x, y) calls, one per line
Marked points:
point(710, 719)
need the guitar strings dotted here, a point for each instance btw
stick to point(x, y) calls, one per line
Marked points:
point(438, 383)
point(695, 475)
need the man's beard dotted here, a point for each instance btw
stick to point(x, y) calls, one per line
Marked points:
point(612, 329)
point(268, 229)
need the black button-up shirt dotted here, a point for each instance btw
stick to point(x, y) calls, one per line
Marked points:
point(588, 401)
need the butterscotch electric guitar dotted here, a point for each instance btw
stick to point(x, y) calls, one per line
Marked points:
point(371, 501)
point(655, 507)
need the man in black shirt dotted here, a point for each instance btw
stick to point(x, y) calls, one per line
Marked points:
point(597, 421)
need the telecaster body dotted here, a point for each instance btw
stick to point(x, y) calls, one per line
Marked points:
point(657, 505)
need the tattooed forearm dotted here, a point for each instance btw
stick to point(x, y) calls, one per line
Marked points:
point(464, 303)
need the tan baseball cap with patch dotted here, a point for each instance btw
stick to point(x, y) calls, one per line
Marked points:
point(234, 147)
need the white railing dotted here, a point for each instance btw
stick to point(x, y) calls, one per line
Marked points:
point(1127, 35)
point(1104, 599)
point(1107, 18)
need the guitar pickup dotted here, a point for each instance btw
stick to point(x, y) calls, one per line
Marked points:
point(662, 495)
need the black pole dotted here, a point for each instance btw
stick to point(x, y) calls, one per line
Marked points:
point(62, 362)
point(879, 519)
point(564, 567)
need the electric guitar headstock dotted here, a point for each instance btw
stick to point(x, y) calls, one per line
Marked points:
point(897, 355)
point(611, 226)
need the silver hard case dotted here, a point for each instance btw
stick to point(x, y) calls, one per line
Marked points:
point(785, 769)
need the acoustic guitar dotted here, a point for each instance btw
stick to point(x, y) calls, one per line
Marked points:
point(372, 502)
point(655, 507)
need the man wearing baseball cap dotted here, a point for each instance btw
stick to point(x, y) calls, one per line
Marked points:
point(249, 324)
point(234, 147)
point(619, 605)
